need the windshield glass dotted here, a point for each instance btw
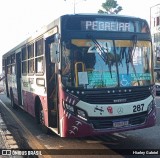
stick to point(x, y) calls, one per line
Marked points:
point(97, 63)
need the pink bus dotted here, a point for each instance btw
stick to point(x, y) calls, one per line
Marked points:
point(85, 75)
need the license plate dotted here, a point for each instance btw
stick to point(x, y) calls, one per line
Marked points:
point(120, 123)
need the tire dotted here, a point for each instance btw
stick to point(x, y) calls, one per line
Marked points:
point(14, 106)
point(40, 119)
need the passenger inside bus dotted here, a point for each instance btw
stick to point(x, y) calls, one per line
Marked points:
point(74, 61)
point(66, 66)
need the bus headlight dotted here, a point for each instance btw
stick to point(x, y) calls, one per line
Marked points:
point(150, 106)
point(81, 114)
point(69, 107)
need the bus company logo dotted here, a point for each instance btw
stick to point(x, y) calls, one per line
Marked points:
point(120, 110)
point(119, 100)
point(110, 109)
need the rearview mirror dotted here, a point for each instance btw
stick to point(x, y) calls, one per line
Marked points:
point(55, 49)
point(53, 52)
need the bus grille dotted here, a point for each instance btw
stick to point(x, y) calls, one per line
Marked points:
point(107, 122)
point(119, 96)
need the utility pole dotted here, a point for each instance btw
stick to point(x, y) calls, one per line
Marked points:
point(74, 5)
point(155, 32)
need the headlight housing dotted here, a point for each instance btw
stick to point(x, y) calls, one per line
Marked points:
point(150, 106)
point(82, 114)
point(68, 107)
point(75, 111)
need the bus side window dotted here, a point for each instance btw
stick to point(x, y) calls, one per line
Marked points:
point(31, 66)
point(24, 61)
point(9, 69)
point(31, 59)
point(39, 65)
point(39, 56)
point(13, 69)
point(24, 67)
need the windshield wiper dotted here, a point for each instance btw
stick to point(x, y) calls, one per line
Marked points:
point(101, 52)
point(131, 53)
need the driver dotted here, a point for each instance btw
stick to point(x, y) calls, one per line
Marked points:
point(66, 64)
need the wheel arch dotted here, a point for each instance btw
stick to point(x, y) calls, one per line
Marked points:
point(36, 108)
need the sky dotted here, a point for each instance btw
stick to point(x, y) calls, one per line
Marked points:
point(21, 18)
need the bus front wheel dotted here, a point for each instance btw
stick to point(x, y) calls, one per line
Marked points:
point(14, 106)
point(40, 119)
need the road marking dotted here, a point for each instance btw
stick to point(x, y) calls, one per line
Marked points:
point(94, 141)
point(110, 143)
point(119, 135)
point(100, 142)
point(103, 140)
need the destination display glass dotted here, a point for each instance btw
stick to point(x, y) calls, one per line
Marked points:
point(106, 24)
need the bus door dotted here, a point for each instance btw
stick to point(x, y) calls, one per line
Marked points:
point(18, 77)
point(6, 79)
point(52, 85)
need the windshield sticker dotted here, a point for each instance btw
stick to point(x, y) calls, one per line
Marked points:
point(82, 78)
point(141, 76)
point(137, 56)
point(125, 80)
point(102, 79)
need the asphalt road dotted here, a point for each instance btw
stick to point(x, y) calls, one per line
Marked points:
point(147, 139)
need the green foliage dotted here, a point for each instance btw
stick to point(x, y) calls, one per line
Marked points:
point(110, 7)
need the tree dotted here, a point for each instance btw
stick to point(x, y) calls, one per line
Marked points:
point(110, 7)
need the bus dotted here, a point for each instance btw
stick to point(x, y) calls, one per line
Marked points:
point(85, 75)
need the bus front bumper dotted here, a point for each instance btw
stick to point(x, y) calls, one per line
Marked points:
point(76, 127)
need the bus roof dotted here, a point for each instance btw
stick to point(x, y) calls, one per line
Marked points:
point(104, 15)
point(56, 21)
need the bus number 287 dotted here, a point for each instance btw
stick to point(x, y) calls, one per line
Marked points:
point(138, 108)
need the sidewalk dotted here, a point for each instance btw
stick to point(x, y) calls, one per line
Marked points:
point(7, 141)
point(2, 144)
point(2, 125)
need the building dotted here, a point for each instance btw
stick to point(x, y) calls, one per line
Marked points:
point(155, 31)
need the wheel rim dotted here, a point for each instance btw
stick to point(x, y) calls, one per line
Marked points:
point(41, 117)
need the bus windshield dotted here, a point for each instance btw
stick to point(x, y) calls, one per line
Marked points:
point(98, 63)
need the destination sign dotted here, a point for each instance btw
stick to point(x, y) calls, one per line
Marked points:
point(108, 26)
point(105, 23)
